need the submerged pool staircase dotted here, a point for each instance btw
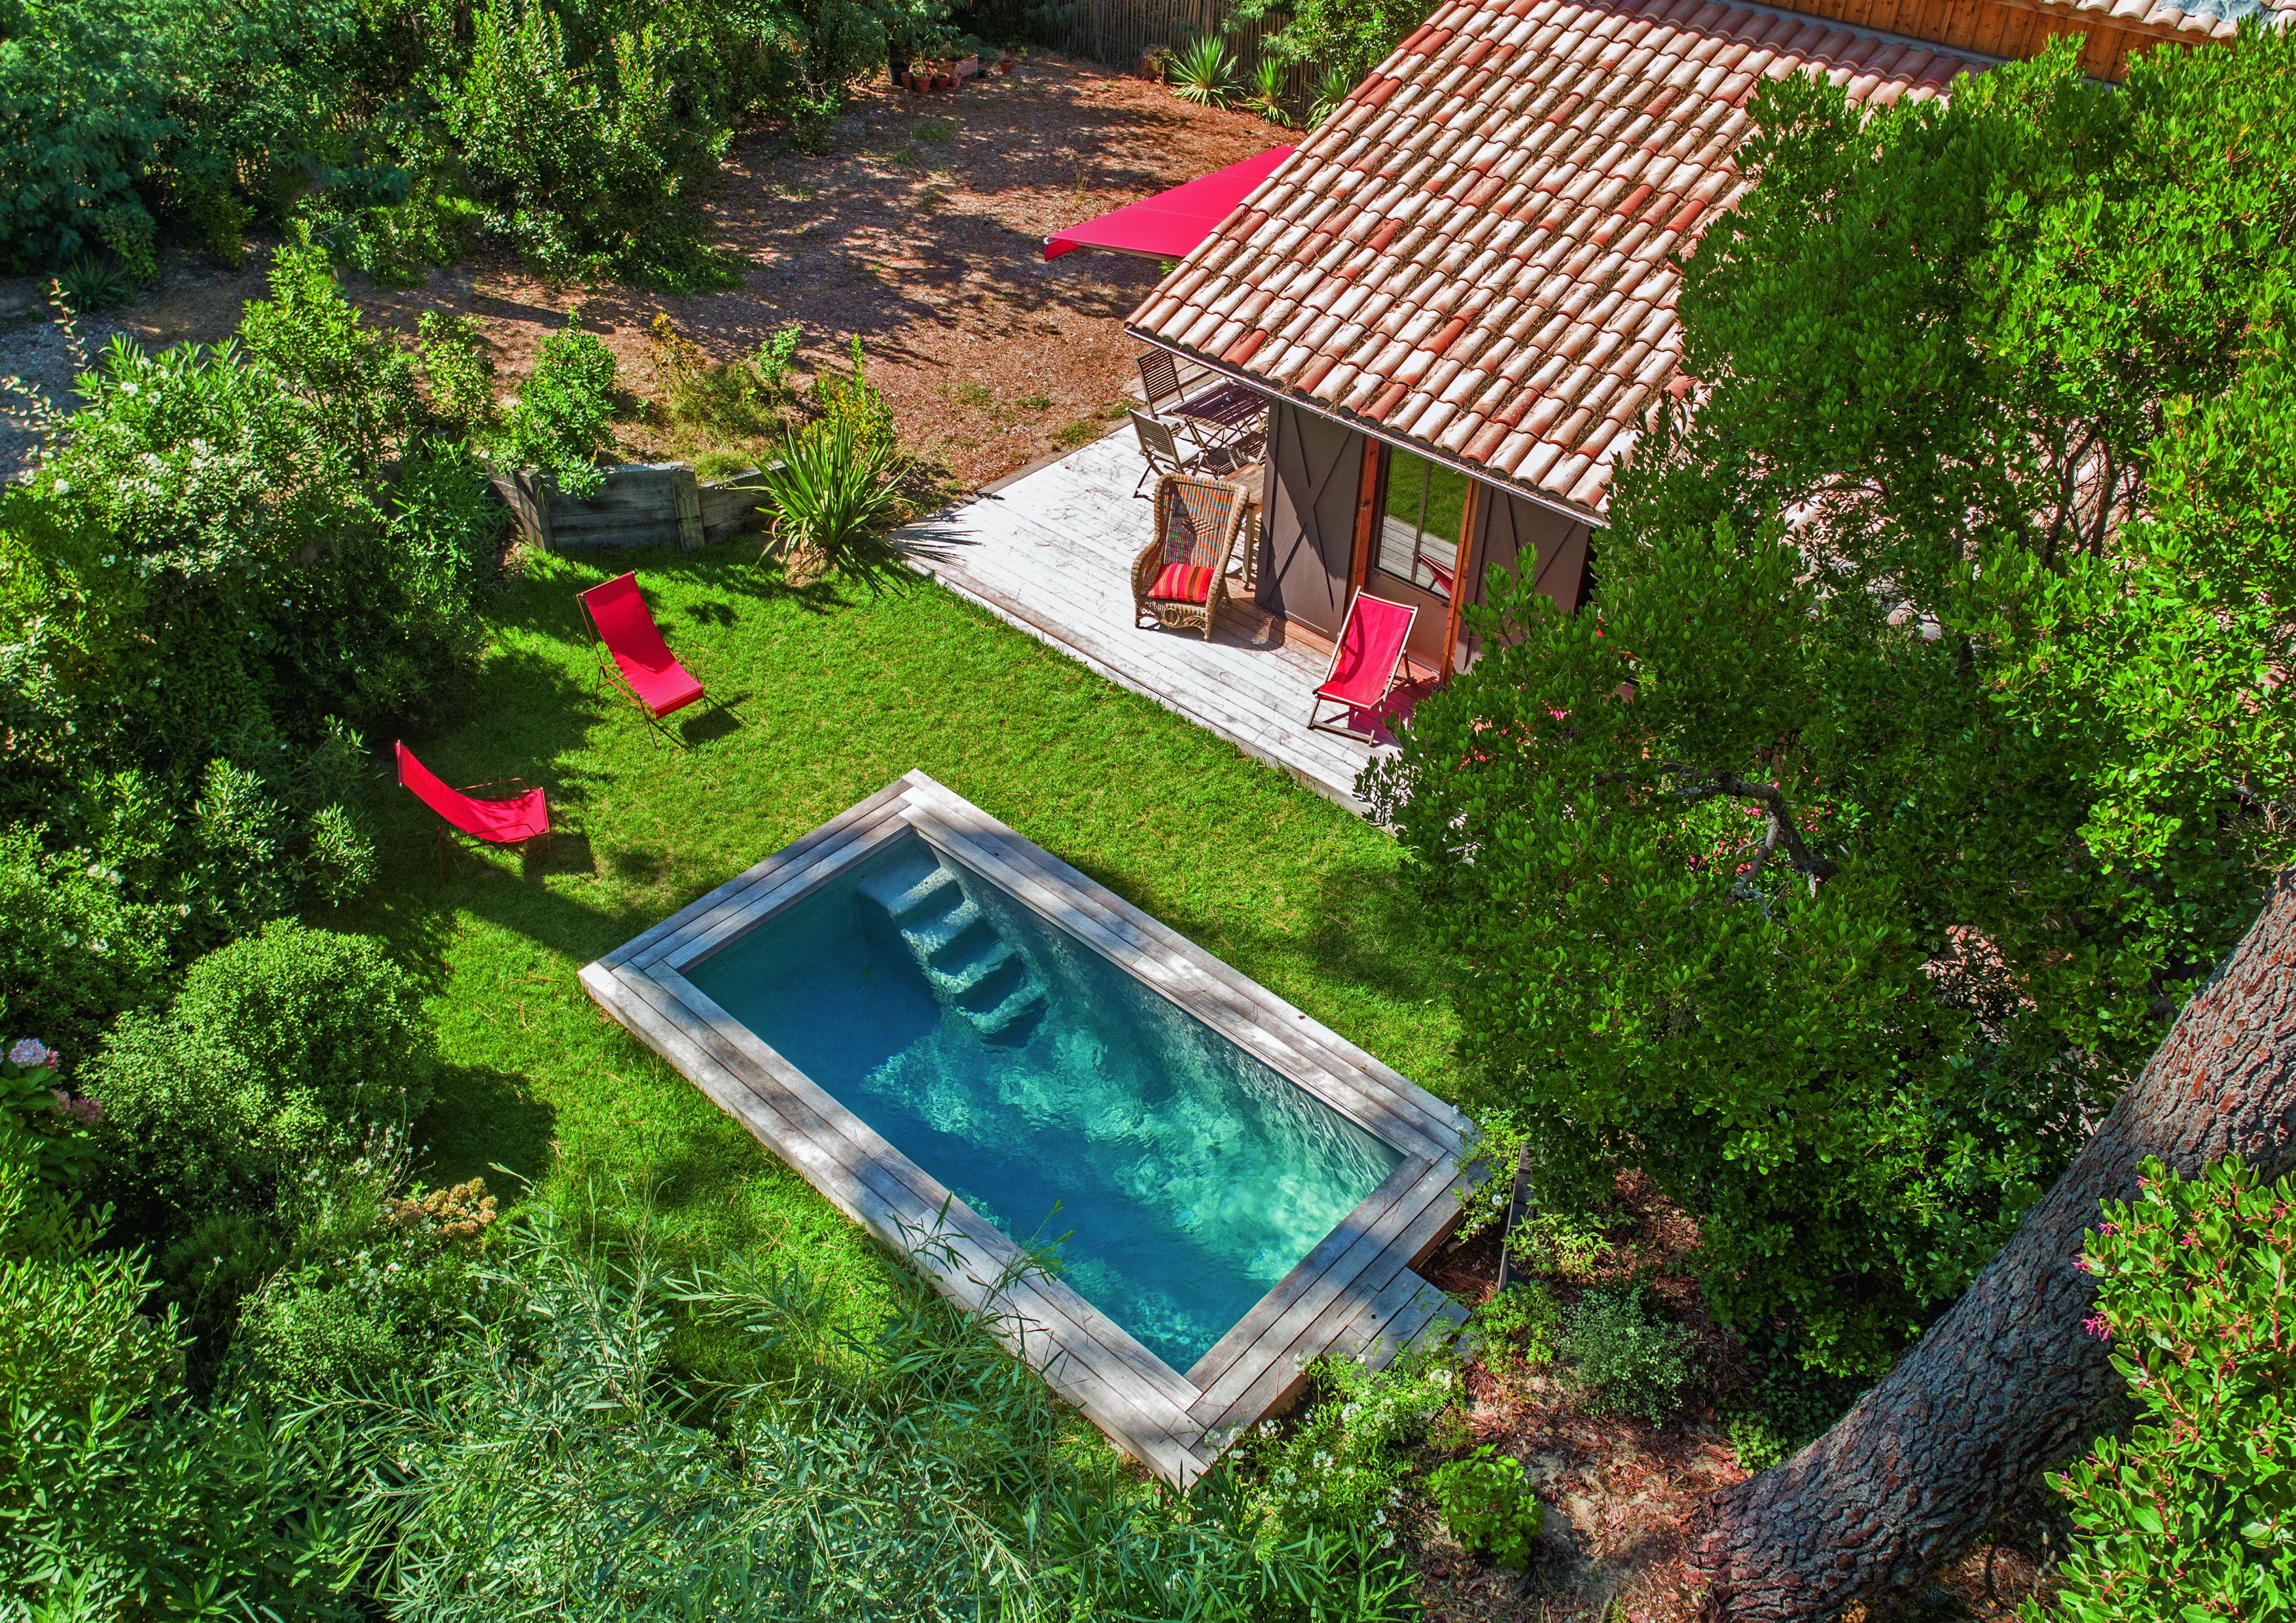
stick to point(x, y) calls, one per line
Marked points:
point(970, 967)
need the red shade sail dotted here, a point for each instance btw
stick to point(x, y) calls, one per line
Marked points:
point(1168, 225)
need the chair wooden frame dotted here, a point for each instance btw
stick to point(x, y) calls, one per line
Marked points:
point(1226, 505)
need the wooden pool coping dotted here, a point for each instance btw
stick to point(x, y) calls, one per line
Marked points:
point(1354, 1294)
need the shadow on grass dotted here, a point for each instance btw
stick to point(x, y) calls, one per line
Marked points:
point(479, 1119)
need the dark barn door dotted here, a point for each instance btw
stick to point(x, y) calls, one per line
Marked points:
point(1557, 552)
point(1314, 475)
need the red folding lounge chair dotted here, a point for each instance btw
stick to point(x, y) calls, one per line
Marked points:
point(513, 820)
point(1364, 664)
point(641, 661)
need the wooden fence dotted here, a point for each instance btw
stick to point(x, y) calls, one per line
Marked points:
point(1121, 34)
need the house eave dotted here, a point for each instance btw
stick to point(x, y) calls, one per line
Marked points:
point(1360, 424)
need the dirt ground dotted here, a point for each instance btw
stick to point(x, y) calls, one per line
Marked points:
point(922, 232)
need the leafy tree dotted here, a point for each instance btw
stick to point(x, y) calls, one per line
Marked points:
point(225, 563)
point(1346, 38)
point(1922, 745)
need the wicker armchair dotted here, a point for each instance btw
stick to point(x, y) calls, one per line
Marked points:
point(1179, 580)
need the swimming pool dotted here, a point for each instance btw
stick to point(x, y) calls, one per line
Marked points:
point(975, 1052)
point(1176, 1178)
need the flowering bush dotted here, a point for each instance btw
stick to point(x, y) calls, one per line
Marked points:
point(222, 565)
point(2191, 1517)
point(1344, 1464)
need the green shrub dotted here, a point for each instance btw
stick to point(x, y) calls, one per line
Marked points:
point(563, 415)
point(1572, 1245)
point(376, 1283)
point(73, 950)
point(1203, 72)
point(586, 163)
point(832, 490)
point(229, 560)
point(1789, 1408)
point(738, 399)
point(1486, 1500)
point(849, 400)
point(916, 1472)
point(1627, 1360)
point(281, 1055)
point(2188, 1515)
point(1518, 1326)
point(120, 1497)
point(43, 1125)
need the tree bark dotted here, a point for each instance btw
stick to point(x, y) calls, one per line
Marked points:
point(2008, 1383)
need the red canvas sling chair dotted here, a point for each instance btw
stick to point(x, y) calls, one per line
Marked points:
point(1366, 663)
point(510, 821)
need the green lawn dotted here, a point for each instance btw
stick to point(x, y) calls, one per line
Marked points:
point(836, 691)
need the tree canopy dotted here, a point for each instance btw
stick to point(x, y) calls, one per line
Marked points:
point(1928, 735)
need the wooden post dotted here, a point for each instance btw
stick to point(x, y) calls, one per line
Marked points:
point(686, 495)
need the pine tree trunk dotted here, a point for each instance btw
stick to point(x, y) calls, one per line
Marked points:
point(2007, 1383)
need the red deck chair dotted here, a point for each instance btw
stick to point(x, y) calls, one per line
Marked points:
point(513, 820)
point(639, 659)
point(1364, 664)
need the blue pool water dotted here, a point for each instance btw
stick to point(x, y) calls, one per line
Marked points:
point(1051, 1091)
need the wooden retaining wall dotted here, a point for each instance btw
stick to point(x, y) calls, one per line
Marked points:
point(640, 504)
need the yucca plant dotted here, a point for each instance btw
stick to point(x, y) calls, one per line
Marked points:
point(1266, 95)
point(1204, 72)
point(832, 487)
point(1330, 90)
point(88, 283)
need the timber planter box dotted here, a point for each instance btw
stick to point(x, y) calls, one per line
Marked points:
point(639, 505)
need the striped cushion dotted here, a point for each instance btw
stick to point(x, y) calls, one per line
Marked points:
point(1181, 583)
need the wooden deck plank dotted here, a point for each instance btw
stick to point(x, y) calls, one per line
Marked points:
point(1051, 552)
point(1351, 1279)
point(731, 918)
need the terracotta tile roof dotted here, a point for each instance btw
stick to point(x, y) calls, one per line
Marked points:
point(1473, 255)
point(2207, 19)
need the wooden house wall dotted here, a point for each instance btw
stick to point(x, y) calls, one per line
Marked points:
point(1315, 477)
point(1520, 536)
point(2010, 28)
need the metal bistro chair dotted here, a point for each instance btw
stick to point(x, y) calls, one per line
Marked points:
point(1223, 415)
point(1160, 447)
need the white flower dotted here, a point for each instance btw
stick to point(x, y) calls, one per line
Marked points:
point(30, 1051)
point(1379, 1519)
point(128, 388)
point(1268, 1428)
point(107, 558)
point(1442, 1379)
point(1350, 1411)
point(1387, 1538)
point(63, 487)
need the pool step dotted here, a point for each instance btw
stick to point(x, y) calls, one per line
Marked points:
point(971, 967)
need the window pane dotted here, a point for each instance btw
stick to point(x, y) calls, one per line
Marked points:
point(1419, 531)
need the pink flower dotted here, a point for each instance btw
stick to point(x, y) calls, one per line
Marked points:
point(31, 1050)
point(2095, 1324)
point(87, 1112)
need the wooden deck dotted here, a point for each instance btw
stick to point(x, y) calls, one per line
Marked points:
point(1051, 552)
point(1355, 1294)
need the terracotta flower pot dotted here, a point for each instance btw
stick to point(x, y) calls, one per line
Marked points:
point(942, 81)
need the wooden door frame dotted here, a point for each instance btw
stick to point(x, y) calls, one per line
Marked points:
point(1367, 510)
